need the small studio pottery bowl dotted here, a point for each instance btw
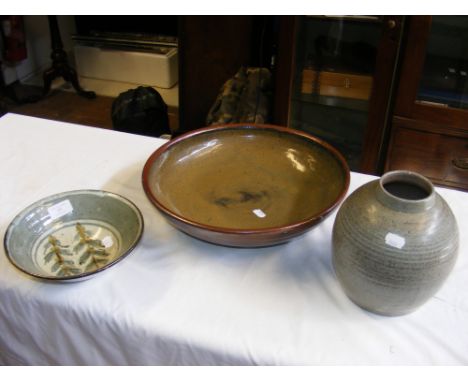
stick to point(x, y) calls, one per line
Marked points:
point(73, 235)
point(245, 185)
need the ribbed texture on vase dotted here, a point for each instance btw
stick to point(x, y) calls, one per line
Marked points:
point(391, 259)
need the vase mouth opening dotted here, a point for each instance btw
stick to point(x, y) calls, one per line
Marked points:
point(407, 185)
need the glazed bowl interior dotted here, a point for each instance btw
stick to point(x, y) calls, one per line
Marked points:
point(245, 178)
point(73, 235)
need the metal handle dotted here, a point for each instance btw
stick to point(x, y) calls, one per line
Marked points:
point(391, 24)
point(461, 163)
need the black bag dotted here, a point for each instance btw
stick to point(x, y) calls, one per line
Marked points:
point(140, 111)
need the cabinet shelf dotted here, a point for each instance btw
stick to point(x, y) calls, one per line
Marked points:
point(335, 102)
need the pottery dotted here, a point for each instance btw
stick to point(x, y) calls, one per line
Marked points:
point(395, 241)
point(245, 185)
point(73, 235)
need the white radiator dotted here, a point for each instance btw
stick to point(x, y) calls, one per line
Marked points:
point(142, 68)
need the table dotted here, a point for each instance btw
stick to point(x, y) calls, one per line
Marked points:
point(178, 301)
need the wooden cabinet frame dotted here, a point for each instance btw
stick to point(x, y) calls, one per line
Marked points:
point(411, 71)
point(440, 124)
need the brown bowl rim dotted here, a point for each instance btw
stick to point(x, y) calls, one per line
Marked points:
point(254, 231)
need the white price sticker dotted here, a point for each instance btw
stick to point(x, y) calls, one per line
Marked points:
point(395, 240)
point(107, 241)
point(259, 213)
point(60, 209)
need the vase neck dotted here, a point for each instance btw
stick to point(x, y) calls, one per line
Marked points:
point(405, 191)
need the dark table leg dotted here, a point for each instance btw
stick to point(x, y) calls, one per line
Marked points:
point(60, 66)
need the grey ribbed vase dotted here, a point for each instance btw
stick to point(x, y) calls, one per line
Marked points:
point(395, 241)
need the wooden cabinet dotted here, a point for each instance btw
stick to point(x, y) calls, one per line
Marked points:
point(389, 92)
point(334, 79)
point(429, 131)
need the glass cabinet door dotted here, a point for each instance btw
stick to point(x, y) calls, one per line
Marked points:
point(332, 79)
point(445, 72)
point(429, 132)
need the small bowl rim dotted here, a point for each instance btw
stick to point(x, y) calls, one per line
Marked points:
point(84, 275)
point(254, 231)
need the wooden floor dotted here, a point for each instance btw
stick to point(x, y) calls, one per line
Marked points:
point(69, 107)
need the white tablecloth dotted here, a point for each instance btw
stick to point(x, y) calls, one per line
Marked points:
point(177, 300)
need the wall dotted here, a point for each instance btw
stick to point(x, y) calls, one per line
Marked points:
point(38, 47)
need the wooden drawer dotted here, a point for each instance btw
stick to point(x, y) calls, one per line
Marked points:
point(336, 84)
point(442, 158)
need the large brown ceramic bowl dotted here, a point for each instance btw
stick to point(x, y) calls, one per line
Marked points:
point(245, 185)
